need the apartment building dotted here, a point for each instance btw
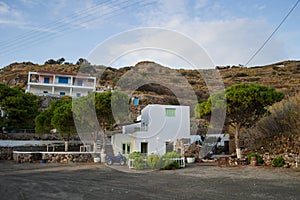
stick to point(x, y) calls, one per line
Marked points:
point(58, 84)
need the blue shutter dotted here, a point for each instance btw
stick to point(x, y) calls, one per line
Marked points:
point(63, 80)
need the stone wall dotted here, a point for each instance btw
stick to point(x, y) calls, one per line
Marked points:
point(290, 159)
point(49, 157)
point(6, 153)
point(27, 157)
point(67, 158)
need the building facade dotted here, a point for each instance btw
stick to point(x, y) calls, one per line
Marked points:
point(60, 84)
point(157, 132)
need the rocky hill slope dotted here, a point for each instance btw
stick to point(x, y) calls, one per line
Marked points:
point(284, 76)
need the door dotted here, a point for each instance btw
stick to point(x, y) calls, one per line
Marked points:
point(144, 148)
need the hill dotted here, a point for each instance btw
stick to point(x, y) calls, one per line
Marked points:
point(283, 76)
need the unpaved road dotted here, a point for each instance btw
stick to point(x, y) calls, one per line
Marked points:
point(95, 181)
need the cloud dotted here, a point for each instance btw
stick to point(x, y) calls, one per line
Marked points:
point(4, 8)
point(200, 4)
point(160, 45)
point(10, 16)
point(227, 40)
point(86, 14)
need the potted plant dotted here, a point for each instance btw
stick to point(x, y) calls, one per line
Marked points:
point(190, 159)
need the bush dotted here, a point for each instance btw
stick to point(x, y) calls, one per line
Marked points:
point(172, 165)
point(139, 163)
point(284, 118)
point(172, 154)
point(135, 154)
point(278, 162)
point(168, 162)
point(154, 161)
point(138, 160)
point(258, 157)
point(241, 75)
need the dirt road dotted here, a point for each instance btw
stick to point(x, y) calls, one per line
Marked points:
point(94, 181)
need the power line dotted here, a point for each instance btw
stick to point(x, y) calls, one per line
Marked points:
point(51, 25)
point(60, 27)
point(54, 27)
point(264, 44)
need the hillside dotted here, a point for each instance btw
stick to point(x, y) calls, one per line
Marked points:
point(283, 76)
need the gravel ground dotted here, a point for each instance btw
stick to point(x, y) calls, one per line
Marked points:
point(96, 181)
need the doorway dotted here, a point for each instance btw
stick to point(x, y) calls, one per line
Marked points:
point(144, 148)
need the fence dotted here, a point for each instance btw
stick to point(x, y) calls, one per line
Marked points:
point(180, 161)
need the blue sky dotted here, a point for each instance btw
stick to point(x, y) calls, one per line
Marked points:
point(229, 31)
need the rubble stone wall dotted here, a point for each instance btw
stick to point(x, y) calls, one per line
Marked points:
point(52, 157)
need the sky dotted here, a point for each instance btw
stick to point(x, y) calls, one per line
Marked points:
point(229, 32)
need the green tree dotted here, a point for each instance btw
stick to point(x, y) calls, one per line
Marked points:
point(244, 105)
point(63, 121)
point(58, 116)
point(43, 122)
point(98, 112)
point(20, 108)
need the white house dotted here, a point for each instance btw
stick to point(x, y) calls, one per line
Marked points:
point(157, 132)
point(60, 84)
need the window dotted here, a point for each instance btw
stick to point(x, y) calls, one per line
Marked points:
point(170, 112)
point(62, 93)
point(78, 95)
point(79, 83)
point(47, 80)
point(45, 92)
point(63, 80)
point(126, 148)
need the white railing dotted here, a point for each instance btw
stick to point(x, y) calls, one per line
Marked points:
point(180, 161)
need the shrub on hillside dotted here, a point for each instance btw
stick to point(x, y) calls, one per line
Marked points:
point(284, 118)
point(278, 162)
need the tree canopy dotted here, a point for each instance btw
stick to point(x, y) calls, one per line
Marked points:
point(98, 112)
point(58, 116)
point(244, 105)
point(62, 119)
point(20, 108)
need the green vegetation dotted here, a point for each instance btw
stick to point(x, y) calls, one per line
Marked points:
point(59, 116)
point(108, 107)
point(255, 155)
point(168, 162)
point(19, 108)
point(138, 160)
point(154, 161)
point(244, 105)
point(284, 118)
point(278, 162)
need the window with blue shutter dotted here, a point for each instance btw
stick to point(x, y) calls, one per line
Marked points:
point(47, 80)
point(63, 80)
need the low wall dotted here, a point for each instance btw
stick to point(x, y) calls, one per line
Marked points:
point(6, 153)
point(52, 157)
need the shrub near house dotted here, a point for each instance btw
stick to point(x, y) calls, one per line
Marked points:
point(154, 161)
